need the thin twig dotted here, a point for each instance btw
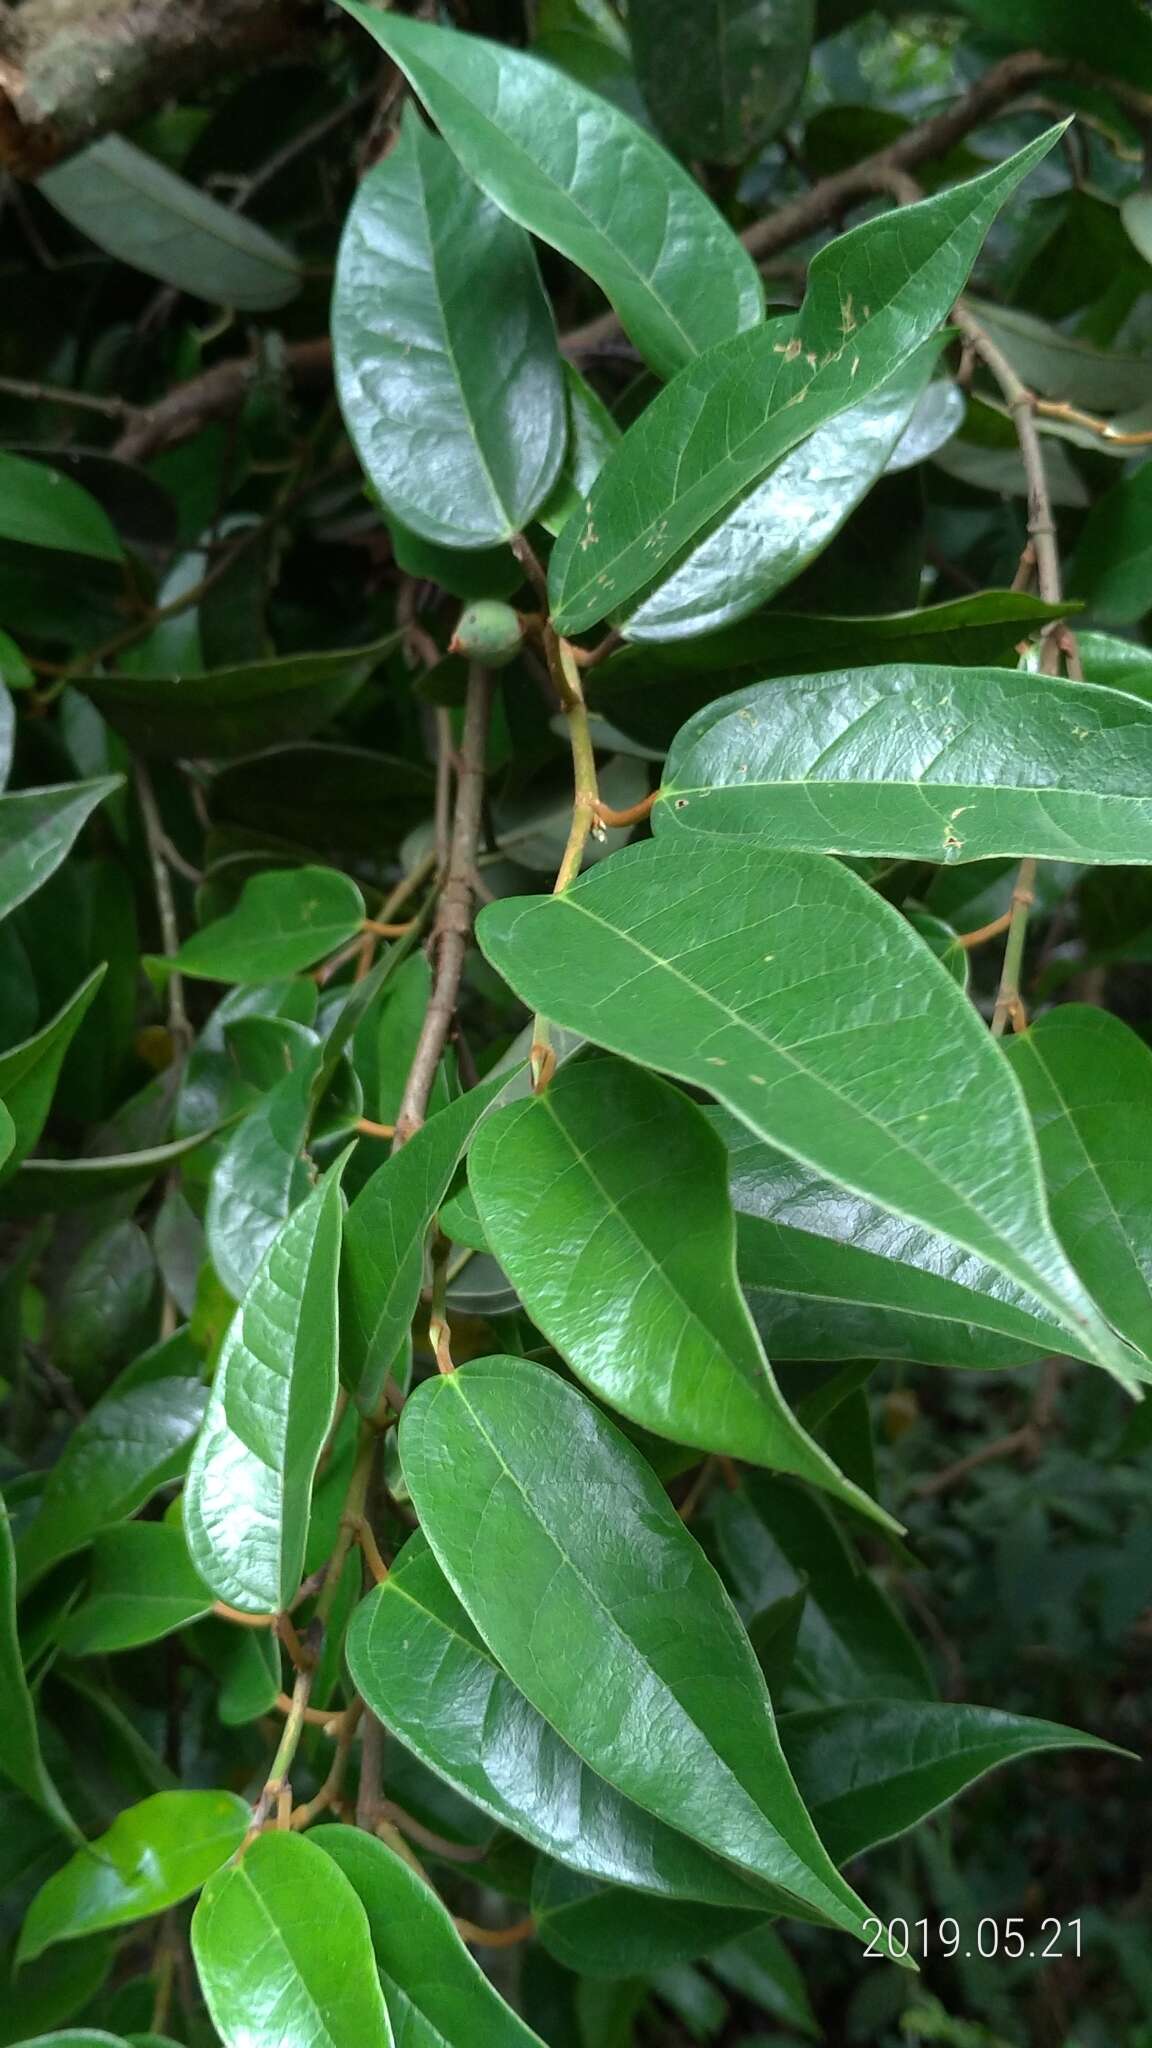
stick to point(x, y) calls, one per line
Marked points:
point(82, 401)
point(178, 1025)
point(452, 930)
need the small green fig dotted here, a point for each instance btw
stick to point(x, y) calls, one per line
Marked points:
point(488, 632)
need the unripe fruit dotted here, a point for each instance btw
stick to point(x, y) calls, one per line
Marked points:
point(488, 632)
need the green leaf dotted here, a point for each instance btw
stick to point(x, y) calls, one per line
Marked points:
point(249, 1484)
point(43, 1184)
point(443, 336)
point(284, 1952)
point(773, 1540)
point(102, 1311)
point(1087, 1080)
point(382, 1268)
point(871, 1769)
point(784, 522)
point(728, 79)
point(7, 728)
point(601, 1931)
point(418, 1661)
point(1114, 38)
point(755, 976)
point(20, 1758)
point(618, 205)
point(135, 1439)
point(285, 920)
point(227, 712)
point(1112, 565)
point(260, 1177)
point(759, 1967)
point(642, 1618)
point(605, 1200)
point(153, 1855)
point(29, 1072)
point(437, 1997)
point(76, 2037)
point(921, 764)
point(874, 297)
point(592, 435)
point(831, 1276)
point(38, 827)
point(143, 1586)
point(651, 690)
point(41, 506)
point(143, 214)
point(15, 673)
point(7, 1134)
point(1060, 365)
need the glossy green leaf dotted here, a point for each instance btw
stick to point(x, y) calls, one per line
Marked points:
point(285, 920)
point(38, 827)
point(437, 1997)
point(1112, 565)
point(382, 1267)
point(137, 210)
point(226, 712)
point(1124, 664)
point(642, 1620)
point(650, 690)
point(1087, 1080)
point(29, 1072)
point(728, 79)
point(102, 1311)
point(787, 520)
point(49, 510)
point(20, 1757)
point(442, 334)
point(260, 1177)
point(601, 1931)
point(7, 727)
point(830, 1275)
point(618, 206)
point(773, 1540)
point(605, 1200)
point(872, 1769)
point(152, 1856)
point(919, 763)
point(136, 1438)
point(49, 1183)
point(588, 40)
point(415, 1656)
point(7, 1134)
point(592, 435)
point(143, 1586)
point(661, 955)
point(284, 1952)
point(874, 297)
point(76, 2037)
point(249, 1484)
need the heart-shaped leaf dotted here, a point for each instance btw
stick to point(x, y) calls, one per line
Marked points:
point(285, 920)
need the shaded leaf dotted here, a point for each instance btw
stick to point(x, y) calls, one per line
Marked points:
point(874, 297)
point(1060, 365)
point(1112, 565)
point(1087, 1080)
point(619, 206)
point(143, 1586)
point(143, 214)
point(38, 827)
point(135, 1439)
point(285, 920)
point(423, 249)
point(28, 1072)
point(153, 1855)
point(102, 1310)
point(644, 1617)
point(601, 1931)
point(20, 1757)
point(249, 1483)
point(773, 1540)
point(650, 955)
point(872, 1769)
point(651, 690)
point(605, 1200)
point(226, 712)
point(592, 435)
point(284, 1953)
point(48, 1183)
point(919, 763)
point(434, 1992)
point(728, 79)
point(415, 1656)
point(40, 506)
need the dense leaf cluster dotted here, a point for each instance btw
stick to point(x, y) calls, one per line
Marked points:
point(576, 729)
